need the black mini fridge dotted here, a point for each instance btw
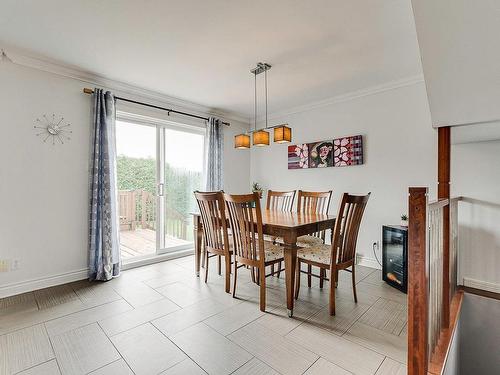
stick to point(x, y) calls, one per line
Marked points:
point(395, 256)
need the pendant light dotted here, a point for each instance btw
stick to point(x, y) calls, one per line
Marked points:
point(261, 137)
point(282, 134)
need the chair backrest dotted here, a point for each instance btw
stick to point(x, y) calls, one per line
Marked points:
point(213, 217)
point(246, 226)
point(280, 200)
point(345, 233)
point(315, 202)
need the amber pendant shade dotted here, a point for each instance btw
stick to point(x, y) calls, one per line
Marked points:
point(282, 134)
point(261, 138)
point(242, 141)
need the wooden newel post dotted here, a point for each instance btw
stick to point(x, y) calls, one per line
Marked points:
point(417, 282)
point(444, 151)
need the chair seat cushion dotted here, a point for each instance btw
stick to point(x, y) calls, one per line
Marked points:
point(306, 241)
point(318, 254)
point(272, 252)
point(303, 241)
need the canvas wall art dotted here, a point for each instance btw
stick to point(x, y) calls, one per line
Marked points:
point(340, 152)
point(298, 156)
point(348, 151)
point(321, 154)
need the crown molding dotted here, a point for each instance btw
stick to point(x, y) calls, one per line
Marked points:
point(22, 58)
point(373, 90)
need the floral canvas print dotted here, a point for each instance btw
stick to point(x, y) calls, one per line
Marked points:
point(321, 154)
point(348, 151)
point(298, 156)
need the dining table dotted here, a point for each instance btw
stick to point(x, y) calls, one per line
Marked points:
point(287, 225)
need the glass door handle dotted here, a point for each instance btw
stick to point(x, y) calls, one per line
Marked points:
point(161, 189)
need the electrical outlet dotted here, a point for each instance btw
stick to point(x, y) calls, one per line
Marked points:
point(15, 265)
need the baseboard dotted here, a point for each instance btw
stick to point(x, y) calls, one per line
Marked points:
point(362, 260)
point(44, 282)
point(483, 285)
point(68, 277)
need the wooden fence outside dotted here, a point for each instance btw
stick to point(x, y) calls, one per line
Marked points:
point(137, 209)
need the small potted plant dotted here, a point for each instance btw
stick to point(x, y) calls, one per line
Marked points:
point(256, 188)
point(404, 220)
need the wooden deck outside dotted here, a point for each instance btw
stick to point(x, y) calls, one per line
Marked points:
point(141, 242)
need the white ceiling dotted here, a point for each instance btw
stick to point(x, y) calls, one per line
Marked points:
point(202, 50)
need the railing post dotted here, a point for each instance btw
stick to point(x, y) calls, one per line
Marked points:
point(444, 150)
point(417, 282)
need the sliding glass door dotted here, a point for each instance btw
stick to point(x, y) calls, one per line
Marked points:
point(159, 165)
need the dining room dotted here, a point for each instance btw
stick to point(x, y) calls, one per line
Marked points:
point(214, 187)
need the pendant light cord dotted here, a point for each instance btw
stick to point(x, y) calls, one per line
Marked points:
point(265, 80)
point(255, 102)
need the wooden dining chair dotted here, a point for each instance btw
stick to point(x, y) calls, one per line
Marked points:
point(215, 233)
point(279, 201)
point(249, 246)
point(341, 254)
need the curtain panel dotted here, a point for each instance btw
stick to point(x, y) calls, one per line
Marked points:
point(214, 175)
point(104, 244)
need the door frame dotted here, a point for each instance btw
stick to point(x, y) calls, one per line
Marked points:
point(160, 125)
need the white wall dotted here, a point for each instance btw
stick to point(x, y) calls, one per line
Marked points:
point(459, 46)
point(399, 150)
point(475, 175)
point(43, 188)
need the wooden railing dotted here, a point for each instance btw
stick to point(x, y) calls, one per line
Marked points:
point(432, 280)
point(137, 208)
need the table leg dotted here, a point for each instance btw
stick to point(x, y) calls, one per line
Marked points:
point(198, 233)
point(290, 254)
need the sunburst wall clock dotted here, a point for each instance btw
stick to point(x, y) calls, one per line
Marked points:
point(53, 130)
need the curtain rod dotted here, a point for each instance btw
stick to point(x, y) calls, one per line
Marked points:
point(90, 91)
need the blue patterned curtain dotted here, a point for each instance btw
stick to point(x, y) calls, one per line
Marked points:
point(104, 244)
point(214, 155)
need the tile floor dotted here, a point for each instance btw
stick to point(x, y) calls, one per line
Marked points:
point(161, 319)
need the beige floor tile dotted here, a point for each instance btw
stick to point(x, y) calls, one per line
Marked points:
point(83, 350)
point(95, 293)
point(404, 332)
point(85, 317)
point(182, 319)
point(137, 293)
point(163, 280)
point(391, 367)
point(383, 290)
point(278, 321)
point(181, 294)
point(337, 350)
point(55, 295)
point(255, 367)
point(169, 267)
point(281, 354)
point(345, 277)
point(374, 278)
point(186, 367)
point(233, 318)
point(386, 315)
point(23, 349)
point(17, 304)
point(133, 318)
point(389, 345)
point(14, 321)
point(210, 350)
point(119, 367)
point(47, 368)
point(324, 367)
point(346, 313)
point(146, 350)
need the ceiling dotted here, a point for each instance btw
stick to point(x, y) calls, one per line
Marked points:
point(202, 51)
